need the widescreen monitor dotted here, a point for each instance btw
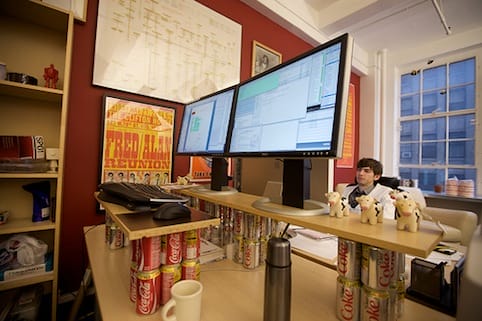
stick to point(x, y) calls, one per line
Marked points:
point(295, 111)
point(203, 132)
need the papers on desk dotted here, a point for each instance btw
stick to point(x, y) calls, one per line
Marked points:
point(450, 259)
point(210, 252)
point(322, 245)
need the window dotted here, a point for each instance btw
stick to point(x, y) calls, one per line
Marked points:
point(437, 123)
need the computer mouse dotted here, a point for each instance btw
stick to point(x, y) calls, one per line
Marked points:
point(171, 211)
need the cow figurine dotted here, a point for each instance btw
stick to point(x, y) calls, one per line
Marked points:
point(408, 214)
point(338, 204)
point(371, 209)
point(398, 194)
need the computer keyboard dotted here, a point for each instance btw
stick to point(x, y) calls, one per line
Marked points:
point(134, 195)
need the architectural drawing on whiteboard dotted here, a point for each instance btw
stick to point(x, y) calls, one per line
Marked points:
point(173, 50)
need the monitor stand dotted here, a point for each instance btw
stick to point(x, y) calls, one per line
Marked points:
point(295, 193)
point(219, 179)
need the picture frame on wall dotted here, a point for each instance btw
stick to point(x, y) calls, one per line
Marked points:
point(137, 142)
point(263, 58)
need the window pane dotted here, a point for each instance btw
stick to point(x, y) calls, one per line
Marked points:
point(462, 72)
point(409, 153)
point(410, 83)
point(463, 173)
point(408, 173)
point(430, 177)
point(462, 126)
point(462, 97)
point(433, 101)
point(462, 153)
point(434, 78)
point(410, 105)
point(409, 131)
point(433, 128)
point(433, 153)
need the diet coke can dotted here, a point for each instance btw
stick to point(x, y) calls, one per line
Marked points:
point(150, 253)
point(238, 222)
point(190, 270)
point(170, 274)
point(349, 258)
point(375, 305)
point(379, 267)
point(347, 299)
point(148, 291)
point(171, 248)
point(251, 253)
point(238, 252)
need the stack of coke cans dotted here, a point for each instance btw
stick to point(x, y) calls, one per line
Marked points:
point(157, 263)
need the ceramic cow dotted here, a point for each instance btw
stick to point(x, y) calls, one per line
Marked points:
point(338, 204)
point(408, 214)
point(371, 209)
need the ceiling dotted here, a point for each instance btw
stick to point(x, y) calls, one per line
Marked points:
point(374, 24)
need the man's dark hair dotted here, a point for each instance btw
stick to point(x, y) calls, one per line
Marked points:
point(375, 165)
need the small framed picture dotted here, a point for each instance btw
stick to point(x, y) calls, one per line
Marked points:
point(263, 58)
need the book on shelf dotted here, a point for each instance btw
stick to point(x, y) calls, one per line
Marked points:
point(22, 147)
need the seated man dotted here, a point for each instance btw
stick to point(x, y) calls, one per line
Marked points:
point(368, 173)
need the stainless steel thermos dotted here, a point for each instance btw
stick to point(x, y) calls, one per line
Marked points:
point(277, 285)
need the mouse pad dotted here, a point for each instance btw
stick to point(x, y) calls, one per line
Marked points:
point(143, 220)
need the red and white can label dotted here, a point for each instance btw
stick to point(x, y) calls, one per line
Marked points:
point(171, 248)
point(170, 274)
point(190, 270)
point(375, 305)
point(349, 258)
point(191, 244)
point(150, 253)
point(148, 291)
point(133, 282)
point(251, 254)
point(378, 267)
point(347, 299)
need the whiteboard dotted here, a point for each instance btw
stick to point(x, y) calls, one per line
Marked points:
point(173, 50)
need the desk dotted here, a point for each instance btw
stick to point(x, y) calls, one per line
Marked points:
point(230, 291)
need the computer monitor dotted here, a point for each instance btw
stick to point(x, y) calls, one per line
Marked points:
point(203, 132)
point(295, 111)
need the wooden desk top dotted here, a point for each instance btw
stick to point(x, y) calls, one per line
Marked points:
point(383, 235)
point(138, 225)
point(230, 291)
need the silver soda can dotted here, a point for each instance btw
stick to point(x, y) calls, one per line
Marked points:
point(375, 305)
point(264, 226)
point(238, 222)
point(251, 253)
point(349, 258)
point(347, 299)
point(238, 249)
point(378, 267)
point(263, 249)
point(251, 226)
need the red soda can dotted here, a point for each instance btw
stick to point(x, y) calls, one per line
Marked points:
point(190, 270)
point(251, 254)
point(135, 251)
point(375, 305)
point(170, 274)
point(116, 238)
point(191, 244)
point(171, 248)
point(150, 253)
point(378, 268)
point(133, 282)
point(347, 299)
point(148, 291)
point(349, 257)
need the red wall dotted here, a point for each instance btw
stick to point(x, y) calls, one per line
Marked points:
point(82, 158)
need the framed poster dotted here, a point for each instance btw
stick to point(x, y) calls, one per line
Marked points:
point(200, 168)
point(348, 158)
point(263, 58)
point(137, 142)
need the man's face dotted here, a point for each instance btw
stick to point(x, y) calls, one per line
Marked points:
point(365, 176)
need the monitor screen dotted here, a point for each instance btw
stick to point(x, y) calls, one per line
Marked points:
point(205, 124)
point(298, 108)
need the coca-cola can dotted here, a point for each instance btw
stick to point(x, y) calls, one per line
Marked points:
point(190, 270)
point(170, 274)
point(397, 297)
point(136, 251)
point(251, 253)
point(133, 282)
point(238, 222)
point(148, 291)
point(375, 305)
point(150, 253)
point(378, 267)
point(252, 226)
point(238, 251)
point(116, 238)
point(263, 249)
point(191, 244)
point(349, 258)
point(347, 299)
point(171, 248)
point(264, 226)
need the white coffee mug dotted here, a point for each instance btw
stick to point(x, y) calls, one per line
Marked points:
point(186, 301)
